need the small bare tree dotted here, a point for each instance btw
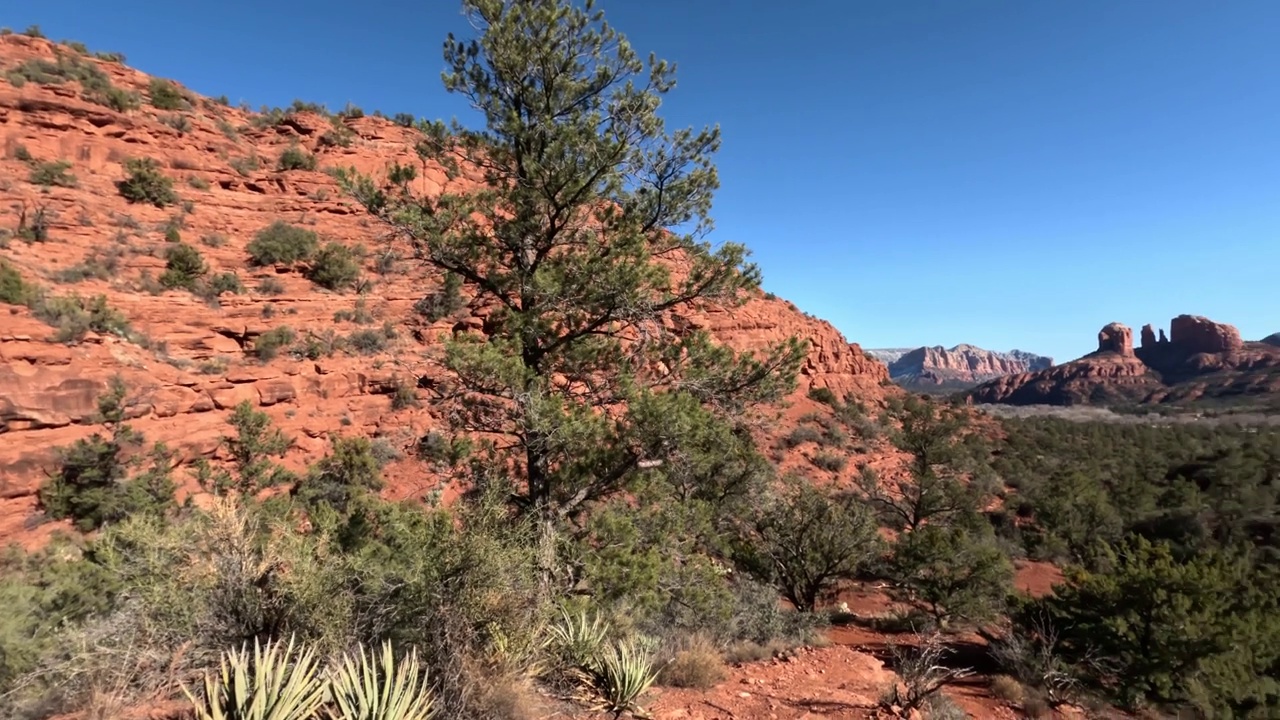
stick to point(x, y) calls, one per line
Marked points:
point(923, 674)
point(1029, 653)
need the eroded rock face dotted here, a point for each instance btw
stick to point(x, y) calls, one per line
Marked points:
point(1199, 358)
point(199, 361)
point(1196, 334)
point(1148, 335)
point(1116, 338)
point(957, 366)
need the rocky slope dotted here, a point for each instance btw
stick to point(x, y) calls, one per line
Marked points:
point(191, 359)
point(962, 366)
point(1199, 361)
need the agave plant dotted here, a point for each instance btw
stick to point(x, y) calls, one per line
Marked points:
point(625, 671)
point(366, 687)
point(274, 683)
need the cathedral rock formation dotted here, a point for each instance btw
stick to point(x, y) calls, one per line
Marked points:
point(1198, 358)
point(1116, 338)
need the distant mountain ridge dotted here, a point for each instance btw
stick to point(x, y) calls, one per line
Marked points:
point(940, 368)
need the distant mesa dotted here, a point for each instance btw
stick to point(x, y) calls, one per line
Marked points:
point(1199, 359)
point(937, 368)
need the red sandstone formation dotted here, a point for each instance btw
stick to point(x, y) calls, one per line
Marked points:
point(1196, 334)
point(199, 362)
point(1116, 338)
point(1199, 358)
point(1148, 335)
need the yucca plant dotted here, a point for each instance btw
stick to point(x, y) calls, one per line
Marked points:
point(580, 638)
point(275, 683)
point(365, 687)
point(625, 671)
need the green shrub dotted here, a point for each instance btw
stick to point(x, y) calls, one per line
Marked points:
point(295, 158)
point(212, 366)
point(350, 471)
point(227, 282)
point(403, 396)
point(183, 267)
point(800, 435)
point(74, 316)
point(827, 461)
point(823, 395)
point(443, 303)
point(178, 122)
point(117, 99)
point(44, 593)
point(438, 448)
point(335, 267)
point(96, 482)
point(50, 174)
point(282, 244)
point(339, 135)
point(270, 286)
point(109, 56)
point(146, 183)
point(22, 154)
point(316, 346)
point(197, 182)
point(367, 342)
point(13, 289)
point(268, 344)
point(802, 541)
point(960, 575)
point(359, 314)
point(33, 31)
point(404, 119)
point(165, 95)
point(244, 165)
point(99, 264)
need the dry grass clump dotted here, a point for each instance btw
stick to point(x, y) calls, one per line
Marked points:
point(695, 663)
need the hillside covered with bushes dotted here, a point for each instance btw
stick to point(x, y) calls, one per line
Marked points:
point(324, 415)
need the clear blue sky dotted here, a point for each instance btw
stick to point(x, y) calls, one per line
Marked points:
point(999, 172)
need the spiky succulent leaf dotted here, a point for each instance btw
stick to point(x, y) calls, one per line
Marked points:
point(274, 683)
point(625, 672)
point(369, 687)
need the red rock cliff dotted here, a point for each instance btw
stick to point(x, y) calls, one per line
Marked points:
point(1196, 334)
point(959, 365)
point(198, 359)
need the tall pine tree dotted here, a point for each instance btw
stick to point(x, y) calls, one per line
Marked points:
point(588, 231)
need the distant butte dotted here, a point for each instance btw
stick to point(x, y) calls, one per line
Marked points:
point(1198, 359)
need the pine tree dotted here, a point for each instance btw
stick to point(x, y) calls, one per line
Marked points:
point(587, 232)
point(98, 479)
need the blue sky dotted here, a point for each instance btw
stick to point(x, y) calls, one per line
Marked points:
point(999, 172)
